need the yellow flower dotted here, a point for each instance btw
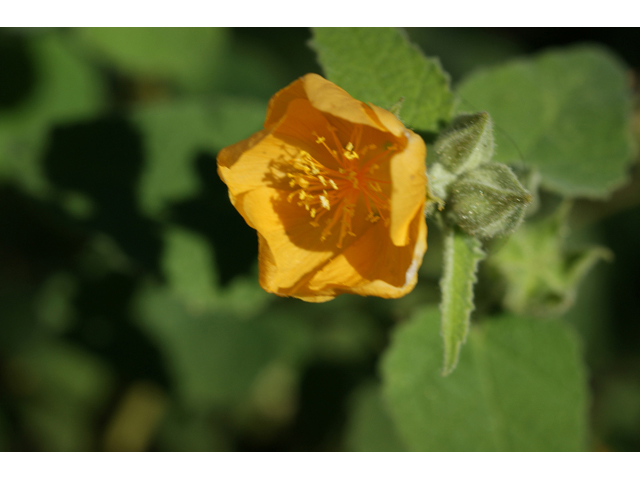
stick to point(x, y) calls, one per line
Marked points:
point(335, 189)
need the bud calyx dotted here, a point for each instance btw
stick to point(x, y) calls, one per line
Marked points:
point(483, 197)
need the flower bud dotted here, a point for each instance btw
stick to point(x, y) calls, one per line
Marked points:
point(488, 201)
point(466, 144)
point(530, 179)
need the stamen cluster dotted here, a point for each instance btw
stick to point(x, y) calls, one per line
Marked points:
point(319, 187)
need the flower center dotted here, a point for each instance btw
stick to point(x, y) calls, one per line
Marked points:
point(330, 195)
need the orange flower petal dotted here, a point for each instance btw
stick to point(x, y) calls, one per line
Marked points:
point(243, 166)
point(328, 98)
point(388, 121)
point(374, 267)
point(335, 189)
point(409, 177)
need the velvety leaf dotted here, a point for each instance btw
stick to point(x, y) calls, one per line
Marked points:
point(520, 385)
point(370, 429)
point(462, 253)
point(188, 56)
point(380, 65)
point(566, 112)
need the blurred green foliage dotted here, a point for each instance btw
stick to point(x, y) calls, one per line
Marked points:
point(130, 312)
point(565, 112)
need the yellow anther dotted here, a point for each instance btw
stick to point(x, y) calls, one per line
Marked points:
point(349, 153)
point(310, 181)
point(372, 217)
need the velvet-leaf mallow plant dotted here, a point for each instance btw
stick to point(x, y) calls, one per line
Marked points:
point(336, 190)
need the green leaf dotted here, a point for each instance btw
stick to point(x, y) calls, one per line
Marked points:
point(566, 112)
point(462, 253)
point(380, 66)
point(216, 358)
point(189, 266)
point(542, 278)
point(188, 56)
point(370, 428)
point(520, 385)
point(175, 132)
point(66, 90)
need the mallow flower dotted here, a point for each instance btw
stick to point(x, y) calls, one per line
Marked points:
point(335, 189)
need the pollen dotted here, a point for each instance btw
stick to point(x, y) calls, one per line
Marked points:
point(324, 202)
point(344, 180)
point(348, 153)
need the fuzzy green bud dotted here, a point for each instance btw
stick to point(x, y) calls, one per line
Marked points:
point(466, 144)
point(530, 179)
point(488, 201)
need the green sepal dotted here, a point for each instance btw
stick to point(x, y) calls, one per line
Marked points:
point(529, 178)
point(466, 144)
point(488, 201)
